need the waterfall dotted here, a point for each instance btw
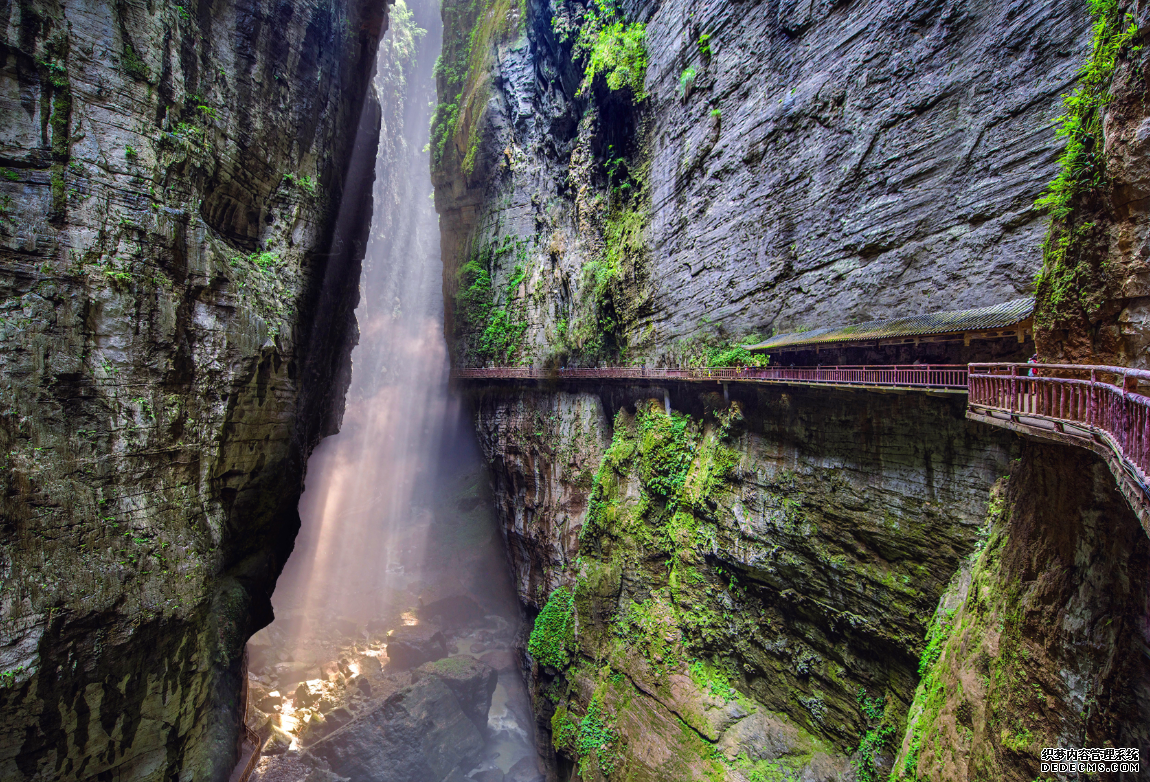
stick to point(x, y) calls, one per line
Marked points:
point(398, 533)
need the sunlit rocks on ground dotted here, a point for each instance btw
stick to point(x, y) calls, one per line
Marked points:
point(429, 689)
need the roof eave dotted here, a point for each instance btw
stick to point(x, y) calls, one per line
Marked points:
point(1025, 323)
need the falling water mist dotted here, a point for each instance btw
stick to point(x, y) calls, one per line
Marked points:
point(398, 560)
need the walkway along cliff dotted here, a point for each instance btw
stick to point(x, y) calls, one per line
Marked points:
point(782, 576)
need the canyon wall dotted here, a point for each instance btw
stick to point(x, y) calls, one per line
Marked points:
point(1040, 640)
point(737, 576)
point(184, 198)
point(1093, 294)
point(772, 166)
point(746, 584)
point(823, 584)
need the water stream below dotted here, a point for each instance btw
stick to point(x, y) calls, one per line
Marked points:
point(395, 617)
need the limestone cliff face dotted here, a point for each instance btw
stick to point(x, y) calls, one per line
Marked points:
point(743, 576)
point(180, 236)
point(790, 165)
point(1094, 292)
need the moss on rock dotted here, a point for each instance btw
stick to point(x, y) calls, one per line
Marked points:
point(554, 630)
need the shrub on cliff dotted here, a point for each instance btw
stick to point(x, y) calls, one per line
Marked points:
point(735, 356)
point(554, 630)
point(1082, 163)
point(619, 53)
point(1073, 279)
point(613, 48)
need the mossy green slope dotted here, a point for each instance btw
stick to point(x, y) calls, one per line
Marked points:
point(674, 625)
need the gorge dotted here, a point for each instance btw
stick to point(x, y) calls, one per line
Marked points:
point(231, 230)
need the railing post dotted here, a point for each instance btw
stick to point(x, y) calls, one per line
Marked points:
point(1013, 388)
point(1091, 401)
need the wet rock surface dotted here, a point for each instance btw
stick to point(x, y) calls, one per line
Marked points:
point(526, 770)
point(819, 542)
point(176, 295)
point(744, 594)
point(848, 175)
point(419, 733)
point(471, 681)
point(359, 712)
point(408, 647)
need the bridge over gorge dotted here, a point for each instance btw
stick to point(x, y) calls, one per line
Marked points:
point(1095, 407)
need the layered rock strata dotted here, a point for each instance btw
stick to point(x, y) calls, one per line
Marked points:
point(788, 165)
point(181, 229)
point(741, 579)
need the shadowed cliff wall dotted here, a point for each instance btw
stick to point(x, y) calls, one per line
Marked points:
point(181, 227)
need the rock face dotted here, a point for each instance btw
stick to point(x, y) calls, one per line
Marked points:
point(1094, 291)
point(180, 236)
point(471, 682)
point(785, 170)
point(408, 647)
point(1041, 641)
point(816, 174)
point(418, 734)
point(749, 588)
point(750, 571)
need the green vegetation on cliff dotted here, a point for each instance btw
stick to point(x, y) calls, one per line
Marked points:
point(733, 355)
point(611, 47)
point(875, 741)
point(592, 739)
point(471, 30)
point(960, 618)
point(554, 630)
point(681, 466)
point(1083, 162)
point(489, 327)
point(1072, 279)
point(612, 276)
point(660, 606)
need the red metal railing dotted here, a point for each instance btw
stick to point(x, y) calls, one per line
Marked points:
point(926, 376)
point(1103, 400)
point(252, 738)
point(905, 375)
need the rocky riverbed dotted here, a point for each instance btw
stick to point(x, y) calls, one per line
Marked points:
point(428, 686)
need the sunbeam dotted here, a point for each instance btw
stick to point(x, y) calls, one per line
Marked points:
point(398, 561)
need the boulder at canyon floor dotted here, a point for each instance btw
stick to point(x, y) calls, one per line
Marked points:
point(410, 646)
point(420, 733)
point(471, 681)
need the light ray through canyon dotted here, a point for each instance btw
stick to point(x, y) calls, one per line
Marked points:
point(396, 522)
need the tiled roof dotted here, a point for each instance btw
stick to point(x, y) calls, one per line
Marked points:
point(980, 319)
